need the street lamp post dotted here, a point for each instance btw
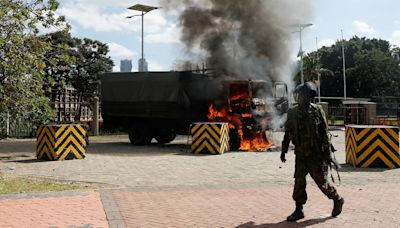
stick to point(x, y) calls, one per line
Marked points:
point(317, 68)
point(344, 69)
point(301, 53)
point(144, 9)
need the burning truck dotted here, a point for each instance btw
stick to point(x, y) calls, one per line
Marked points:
point(161, 105)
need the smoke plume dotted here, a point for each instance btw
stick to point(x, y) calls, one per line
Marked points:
point(245, 39)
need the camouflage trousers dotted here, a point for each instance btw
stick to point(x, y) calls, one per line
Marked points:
point(316, 171)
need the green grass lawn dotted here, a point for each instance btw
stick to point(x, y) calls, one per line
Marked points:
point(335, 122)
point(15, 185)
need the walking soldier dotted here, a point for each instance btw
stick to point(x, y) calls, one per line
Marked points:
point(307, 129)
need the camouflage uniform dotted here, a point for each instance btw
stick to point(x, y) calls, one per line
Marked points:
point(307, 129)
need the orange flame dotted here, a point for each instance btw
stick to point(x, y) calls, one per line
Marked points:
point(256, 142)
point(237, 113)
point(222, 115)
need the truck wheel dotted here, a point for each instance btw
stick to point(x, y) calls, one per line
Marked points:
point(140, 134)
point(234, 140)
point(165, 135)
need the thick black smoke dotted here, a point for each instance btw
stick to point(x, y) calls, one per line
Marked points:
point(244, 38)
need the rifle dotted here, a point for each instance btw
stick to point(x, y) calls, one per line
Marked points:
point(333, 162)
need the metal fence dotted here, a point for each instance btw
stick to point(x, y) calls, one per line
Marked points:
point(72, 111)
point(388, 114)
point(70, 107)
point(13, 127)
point(16, 127)
point(65, 113)
point(341, 115)
point(335, 116)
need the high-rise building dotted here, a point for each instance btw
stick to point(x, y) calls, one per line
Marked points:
point(126, 65)
point(145, 67)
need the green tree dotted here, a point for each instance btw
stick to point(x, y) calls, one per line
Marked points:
point(91, 62)
point(79, 63)
point(371, 69)
point(60, 61)
point(22, 57)
point(375, 73)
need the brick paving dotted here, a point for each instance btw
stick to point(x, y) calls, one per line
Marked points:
point(157, 186)
point(55, 210)
point(374, 205)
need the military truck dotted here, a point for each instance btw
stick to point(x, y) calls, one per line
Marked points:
point(161, 105)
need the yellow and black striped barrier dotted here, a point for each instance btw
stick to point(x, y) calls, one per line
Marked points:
point(372, 146)
point(61, 142)
point(210, 138)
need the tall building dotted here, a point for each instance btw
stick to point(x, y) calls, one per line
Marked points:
point(145, 65)
point(126, 65)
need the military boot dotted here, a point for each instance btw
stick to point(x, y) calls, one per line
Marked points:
point(297, 214)
point(337, 206)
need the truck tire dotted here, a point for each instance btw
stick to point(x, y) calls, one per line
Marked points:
point(234, 140)
point(165, 135)
point(140, 134)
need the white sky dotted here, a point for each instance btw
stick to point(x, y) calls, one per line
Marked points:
point(105, 20)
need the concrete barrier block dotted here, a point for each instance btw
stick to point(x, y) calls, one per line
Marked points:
point(61, 142)
point(210, 138)
point(372, 146)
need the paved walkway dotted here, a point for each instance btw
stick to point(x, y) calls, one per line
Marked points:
point(374, 205)
point(263, 206)
point(168, 187)
point(67, 209)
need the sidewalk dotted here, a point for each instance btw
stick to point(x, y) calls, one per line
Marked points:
point(267, 206)
point(374, 205)
point(167, 186)
point(65, 209)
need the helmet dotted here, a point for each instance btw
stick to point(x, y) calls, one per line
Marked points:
point(307, 88)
